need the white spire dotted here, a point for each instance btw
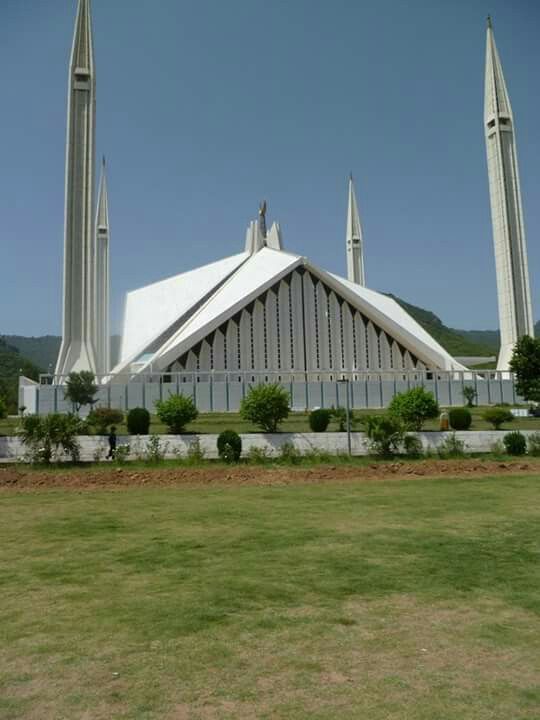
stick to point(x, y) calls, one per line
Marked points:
point(355, 242)
point(514, 295)
point(103, 355)
point(77, 351)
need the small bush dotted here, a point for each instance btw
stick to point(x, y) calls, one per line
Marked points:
point(290, 454)
point(259, 455)
point(460, 418)
point(319, 420)
point(102, 418)
point(176, 412)
point(497, 416)
point(469, 395)
point(266, 406)
point(122, 453)
point(413, 408)
point(47, 437)
point(497, 449)
point(155, 450)
point(340, 416)
point(229, 445)
point(533, 445)
point(412, 445)
point(385, 433)
point(451, 447)
point(138, 421)
point(515, 443)
point(195, 453)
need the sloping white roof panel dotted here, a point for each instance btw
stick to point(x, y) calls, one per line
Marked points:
point(259, 272)
point(396, 314)
point(150, 310)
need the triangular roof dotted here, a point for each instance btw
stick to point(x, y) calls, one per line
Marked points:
point(152, 310)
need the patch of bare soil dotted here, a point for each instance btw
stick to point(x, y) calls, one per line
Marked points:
point(19, 478)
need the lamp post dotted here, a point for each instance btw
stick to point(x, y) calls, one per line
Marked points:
point(346, 382)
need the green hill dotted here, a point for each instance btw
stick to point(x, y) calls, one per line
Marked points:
point(456, 342)
point(43, 351)
point(12, 364)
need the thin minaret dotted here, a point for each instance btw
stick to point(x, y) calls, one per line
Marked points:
point(103, 355)
point(515, 309)
point(355, 243)
point(77, 351)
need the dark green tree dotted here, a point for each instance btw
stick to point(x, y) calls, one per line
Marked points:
point(81, 388)
point(525, 363)
point(266, 406)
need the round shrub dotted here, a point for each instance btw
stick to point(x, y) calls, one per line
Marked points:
point(138, 421)
point(176, 412)
point(515, 443)
point(266, 406)
point(460, 418)
point(497, 415)
point(229, 445)
point(414, 407)
point(412, 445)
point(319, 419)
point(102, 418)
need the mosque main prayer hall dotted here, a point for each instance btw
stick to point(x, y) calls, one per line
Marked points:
point(264, 312)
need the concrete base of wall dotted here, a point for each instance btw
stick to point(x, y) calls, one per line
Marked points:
point(95, 448)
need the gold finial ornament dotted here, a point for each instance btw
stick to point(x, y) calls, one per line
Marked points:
point(262, 209)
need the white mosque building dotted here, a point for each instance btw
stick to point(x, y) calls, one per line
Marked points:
point(265, 312)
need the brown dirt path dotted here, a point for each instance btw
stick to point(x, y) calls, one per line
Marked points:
point(20, 478)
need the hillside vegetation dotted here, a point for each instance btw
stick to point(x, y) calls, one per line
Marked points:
point(12, 364)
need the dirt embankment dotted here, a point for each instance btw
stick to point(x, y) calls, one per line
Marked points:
point(19, 478)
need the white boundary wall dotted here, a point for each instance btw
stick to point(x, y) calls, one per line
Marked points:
point(224, 393)
point(96, 447)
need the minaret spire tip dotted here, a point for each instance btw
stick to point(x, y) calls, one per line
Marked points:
point(489, 23)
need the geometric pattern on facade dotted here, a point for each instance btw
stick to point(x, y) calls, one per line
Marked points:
point(274, 311)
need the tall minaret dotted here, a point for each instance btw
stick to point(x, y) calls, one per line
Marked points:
point(77, 351)
point(515, 309)
point(103, 354)
point(355, 243)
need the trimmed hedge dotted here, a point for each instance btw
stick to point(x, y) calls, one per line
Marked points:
point(460, 418)
point(229, 445)
point(138, 421)
point(319, 419)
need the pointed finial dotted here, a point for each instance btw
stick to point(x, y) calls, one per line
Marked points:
point(103, 162)
point(262, 218)
point(262, 208)
point(489, 24)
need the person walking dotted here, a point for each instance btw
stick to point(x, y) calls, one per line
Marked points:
point(112, 443)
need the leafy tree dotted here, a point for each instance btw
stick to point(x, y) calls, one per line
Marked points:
point(414, 407)
point(176, 412)
point(496, 416)
point(45, 435)
point(102, 418)
point(266, 405)
point(81, 388)
point(469, 395)
point(525, 363)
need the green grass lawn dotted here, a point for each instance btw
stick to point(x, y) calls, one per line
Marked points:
point(413, 600)
point(296, 422)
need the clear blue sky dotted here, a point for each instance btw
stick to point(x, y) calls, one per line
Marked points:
point(205, 107)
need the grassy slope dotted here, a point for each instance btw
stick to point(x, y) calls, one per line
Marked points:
point(389, 600)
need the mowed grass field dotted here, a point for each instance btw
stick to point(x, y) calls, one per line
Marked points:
point(414, 600)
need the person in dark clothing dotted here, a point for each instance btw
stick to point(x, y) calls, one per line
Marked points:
point(112, 443)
